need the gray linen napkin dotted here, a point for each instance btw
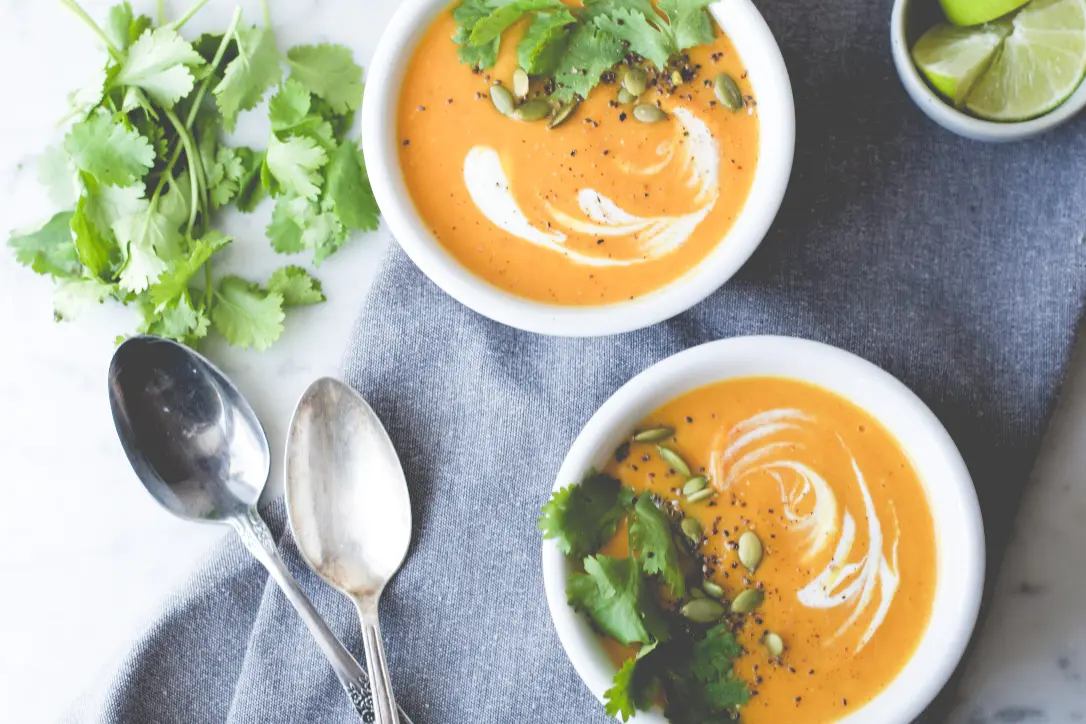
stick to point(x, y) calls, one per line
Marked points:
point(959, 267)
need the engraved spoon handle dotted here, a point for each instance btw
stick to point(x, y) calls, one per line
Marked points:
point(258, 539)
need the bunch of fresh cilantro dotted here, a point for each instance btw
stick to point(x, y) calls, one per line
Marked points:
point(691, 665)
point(144, 168)
point(574, 46)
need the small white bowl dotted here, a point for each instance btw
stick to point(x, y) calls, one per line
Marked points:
point(752, 38)
point(946, 481)
point(908, 21)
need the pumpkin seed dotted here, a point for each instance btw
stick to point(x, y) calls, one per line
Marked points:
point(672, 458)
point(654, 434)
point(502, 99)
point(694, 484)
point(750, 550)
point(697, 593)
point(727, 92)
point(520, 83)
point(703, 610)
point(691, 529)
point(625, 97)
point(562, 114)
point(533, 110)
point(712, 589)
point(747, 601)
point(676, 78)
point(634, 81)
point(700, 495)
point(773, 644)
point(648, 113)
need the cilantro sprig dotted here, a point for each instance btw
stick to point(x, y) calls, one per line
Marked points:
point(575, 46)
point(144, 169)
point(635, 601)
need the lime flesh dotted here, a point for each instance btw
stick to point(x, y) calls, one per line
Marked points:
point(975, 12)
point(1038, 65)
point(953, 58)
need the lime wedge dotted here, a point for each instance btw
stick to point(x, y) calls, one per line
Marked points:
point(975, 12)
point(952, 58)
point(1039, 65)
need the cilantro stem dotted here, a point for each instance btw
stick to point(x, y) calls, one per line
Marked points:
point(267, 14)
point(180, 22)
point(160, 12)
point(82, 15)
point(206, 301)
point(219, 53)
point(194, 166)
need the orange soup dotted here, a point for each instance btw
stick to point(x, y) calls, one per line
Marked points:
point(599, 209)
point(848, 568)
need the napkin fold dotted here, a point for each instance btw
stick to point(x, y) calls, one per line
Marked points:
point(958, 267)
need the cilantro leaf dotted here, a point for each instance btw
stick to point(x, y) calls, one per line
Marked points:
point(296, 286)
point(102, 147)
point(330, 72)
point(298, 224)
point(581, 518)
point(634, 686)
point(250, 191)
point(491, 27)
point(348, 189)
point(246, 78)
point(466, 15)
point(589, 53)
point(57, 174)
point(289, 106)
point(612, 592)
point(544, 42)
point(246, 315)
point(72, 297)
point(178, 320)
point(690, 22)
point(174, 282)
point(93, 250)
point(699, 683)
point(105, 204)
point(149, 236)
point(157, 63)
point(142, 267)
point(294, 164)
point(223, 175)
point(48, 250)
point(652, 540)
point(653, 42)
point(123, 27)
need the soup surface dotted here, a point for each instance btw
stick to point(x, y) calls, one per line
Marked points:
point(849, 565)
point(600, 209)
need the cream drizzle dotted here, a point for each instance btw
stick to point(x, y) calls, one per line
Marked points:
point(655, 236)
point(851, 577)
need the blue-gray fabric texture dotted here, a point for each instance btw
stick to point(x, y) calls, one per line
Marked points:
point(958, 267)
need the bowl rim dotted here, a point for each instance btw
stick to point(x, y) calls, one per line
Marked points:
point(952, 498)
point(956, 121)
point(755, 43)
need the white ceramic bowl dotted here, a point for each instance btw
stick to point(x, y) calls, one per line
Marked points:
point(908, 21)
point(753, 40)
point(953, 501)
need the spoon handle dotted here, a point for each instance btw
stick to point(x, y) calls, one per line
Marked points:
point(258, 539)
point(384, 702)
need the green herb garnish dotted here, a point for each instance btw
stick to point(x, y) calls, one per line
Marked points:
point(144, 167)
point(637, 601)
point(574, 46)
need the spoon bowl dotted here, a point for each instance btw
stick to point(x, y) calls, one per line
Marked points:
point(193, 440)
point(349, 508)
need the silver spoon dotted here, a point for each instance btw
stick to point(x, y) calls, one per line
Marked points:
point(349, 509)
point(200, 451)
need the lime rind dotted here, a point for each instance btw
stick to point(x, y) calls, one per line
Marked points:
point(1039, 65)
point(953, 58)
point(978, 12)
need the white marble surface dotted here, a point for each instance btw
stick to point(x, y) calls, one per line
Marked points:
point(85, 556)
